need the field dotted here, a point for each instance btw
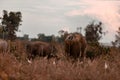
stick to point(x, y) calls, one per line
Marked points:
point(15, 66)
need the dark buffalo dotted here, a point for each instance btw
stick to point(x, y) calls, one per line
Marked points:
point(75, 45)
point(39, 48)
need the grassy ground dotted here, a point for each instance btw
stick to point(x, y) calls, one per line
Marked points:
point(14, 66)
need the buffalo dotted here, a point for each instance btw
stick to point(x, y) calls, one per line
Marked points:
point(75, 45)
point(42, 49)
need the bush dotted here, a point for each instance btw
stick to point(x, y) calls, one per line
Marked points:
point(96, 50)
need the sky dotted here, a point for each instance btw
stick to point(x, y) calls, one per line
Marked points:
point(50, 16)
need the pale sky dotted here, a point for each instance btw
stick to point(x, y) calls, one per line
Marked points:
point(50, 16)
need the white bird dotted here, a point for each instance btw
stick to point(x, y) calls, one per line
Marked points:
point(106, 65)
point(54, 62)
point(29, 61)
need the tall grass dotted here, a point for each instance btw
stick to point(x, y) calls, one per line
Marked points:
point(14, 66)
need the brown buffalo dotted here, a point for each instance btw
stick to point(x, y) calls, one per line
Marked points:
point(39, 48)
point(75, 45)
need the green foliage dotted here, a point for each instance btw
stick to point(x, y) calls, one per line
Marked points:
point(96, 50)
point(10, 23)
point(63, 35)
point(43, 37)
point(118, 37)
point(26, 36)
point(93, 32)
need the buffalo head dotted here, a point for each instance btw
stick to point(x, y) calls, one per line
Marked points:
point(75, 45)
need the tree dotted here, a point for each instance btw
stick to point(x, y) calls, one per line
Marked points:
point(10, 23)
point(117, 36)
point(93, 32)
point(46, 38)
point(63, 34)
point(79, 29)
point(1, 31)
point(41, 36)
point(26, 36)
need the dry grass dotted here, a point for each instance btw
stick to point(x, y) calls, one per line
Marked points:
point(14, 66)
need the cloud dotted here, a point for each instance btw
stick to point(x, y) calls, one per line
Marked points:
point(107, 11)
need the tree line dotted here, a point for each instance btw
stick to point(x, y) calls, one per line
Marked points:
point(10, 22)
